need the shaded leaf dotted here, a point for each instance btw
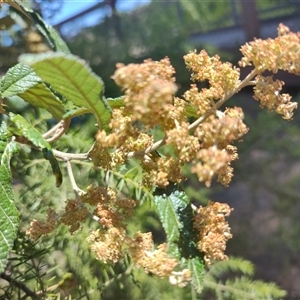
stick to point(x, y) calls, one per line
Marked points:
point(51, 35)
point(25, 129)
point(41, 96)
point(72, 78)
point(176, 216)
point(196, 266)
point(9, 217)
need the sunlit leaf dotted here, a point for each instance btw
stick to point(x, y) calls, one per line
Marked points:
point(72, 78)
point(18, 79)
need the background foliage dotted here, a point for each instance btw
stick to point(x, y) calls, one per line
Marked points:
point(51, 262)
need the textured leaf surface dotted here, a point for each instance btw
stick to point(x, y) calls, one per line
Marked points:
point(9, 217)
point(176, 215)
point(71, 77)
point(41, 96)
point(18, 80)
point(25, 129)
point(196, 266)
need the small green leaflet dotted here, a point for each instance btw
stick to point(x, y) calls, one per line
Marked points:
point(71, 77)
point(9, 216)
point(115, 102)
point(25, 129)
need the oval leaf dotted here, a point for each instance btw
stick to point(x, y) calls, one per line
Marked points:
point(71, 77)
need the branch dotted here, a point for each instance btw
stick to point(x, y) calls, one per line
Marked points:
point(19, 285)
point(245, 82)
point(76, 189)
point(57, 131)
point(70, 156)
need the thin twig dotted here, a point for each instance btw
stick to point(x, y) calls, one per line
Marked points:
point(60, 130)
point(70, 156)
point(76, 189)
point(19, 285)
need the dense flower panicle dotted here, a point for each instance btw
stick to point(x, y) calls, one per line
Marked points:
point(75, 214)
point(200, 100)
point(112, 212)
point(108, 244)
point(135, 77)
point(98, 194)
point(149, 87)
point(181, 278)
point(212, 161)
point(222, 77)
point(267, 91)
point(111, 150)
point(222, 130)
point(152, 261)
point(213, 230)
point(185, 145)
point(168, 169)
point(281, 53)
point(38, 228)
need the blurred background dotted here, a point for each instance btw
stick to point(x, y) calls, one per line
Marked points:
point(265, 190)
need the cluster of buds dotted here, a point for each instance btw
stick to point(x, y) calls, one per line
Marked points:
point(281, 53)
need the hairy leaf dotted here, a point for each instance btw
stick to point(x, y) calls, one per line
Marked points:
point(9, 217)
point(71, 77)
point(25, 129)
point(22, 80)
point(18, 79)
point(176, 215)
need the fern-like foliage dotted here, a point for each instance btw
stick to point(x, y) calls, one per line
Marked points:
point(232, 279)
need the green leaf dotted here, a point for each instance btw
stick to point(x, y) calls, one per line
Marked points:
point(18, 79)
point(196, 266)
point(41, 96)
point(190, 111)
point(25, 129)
point(176, 216)
point(72, 78)
point(9, 217)
point(115, 102)
point(51, 35)
point(21, 80)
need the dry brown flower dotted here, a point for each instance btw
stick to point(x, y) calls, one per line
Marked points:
point(38, 228)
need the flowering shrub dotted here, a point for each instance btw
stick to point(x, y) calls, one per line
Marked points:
point(197, 131)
